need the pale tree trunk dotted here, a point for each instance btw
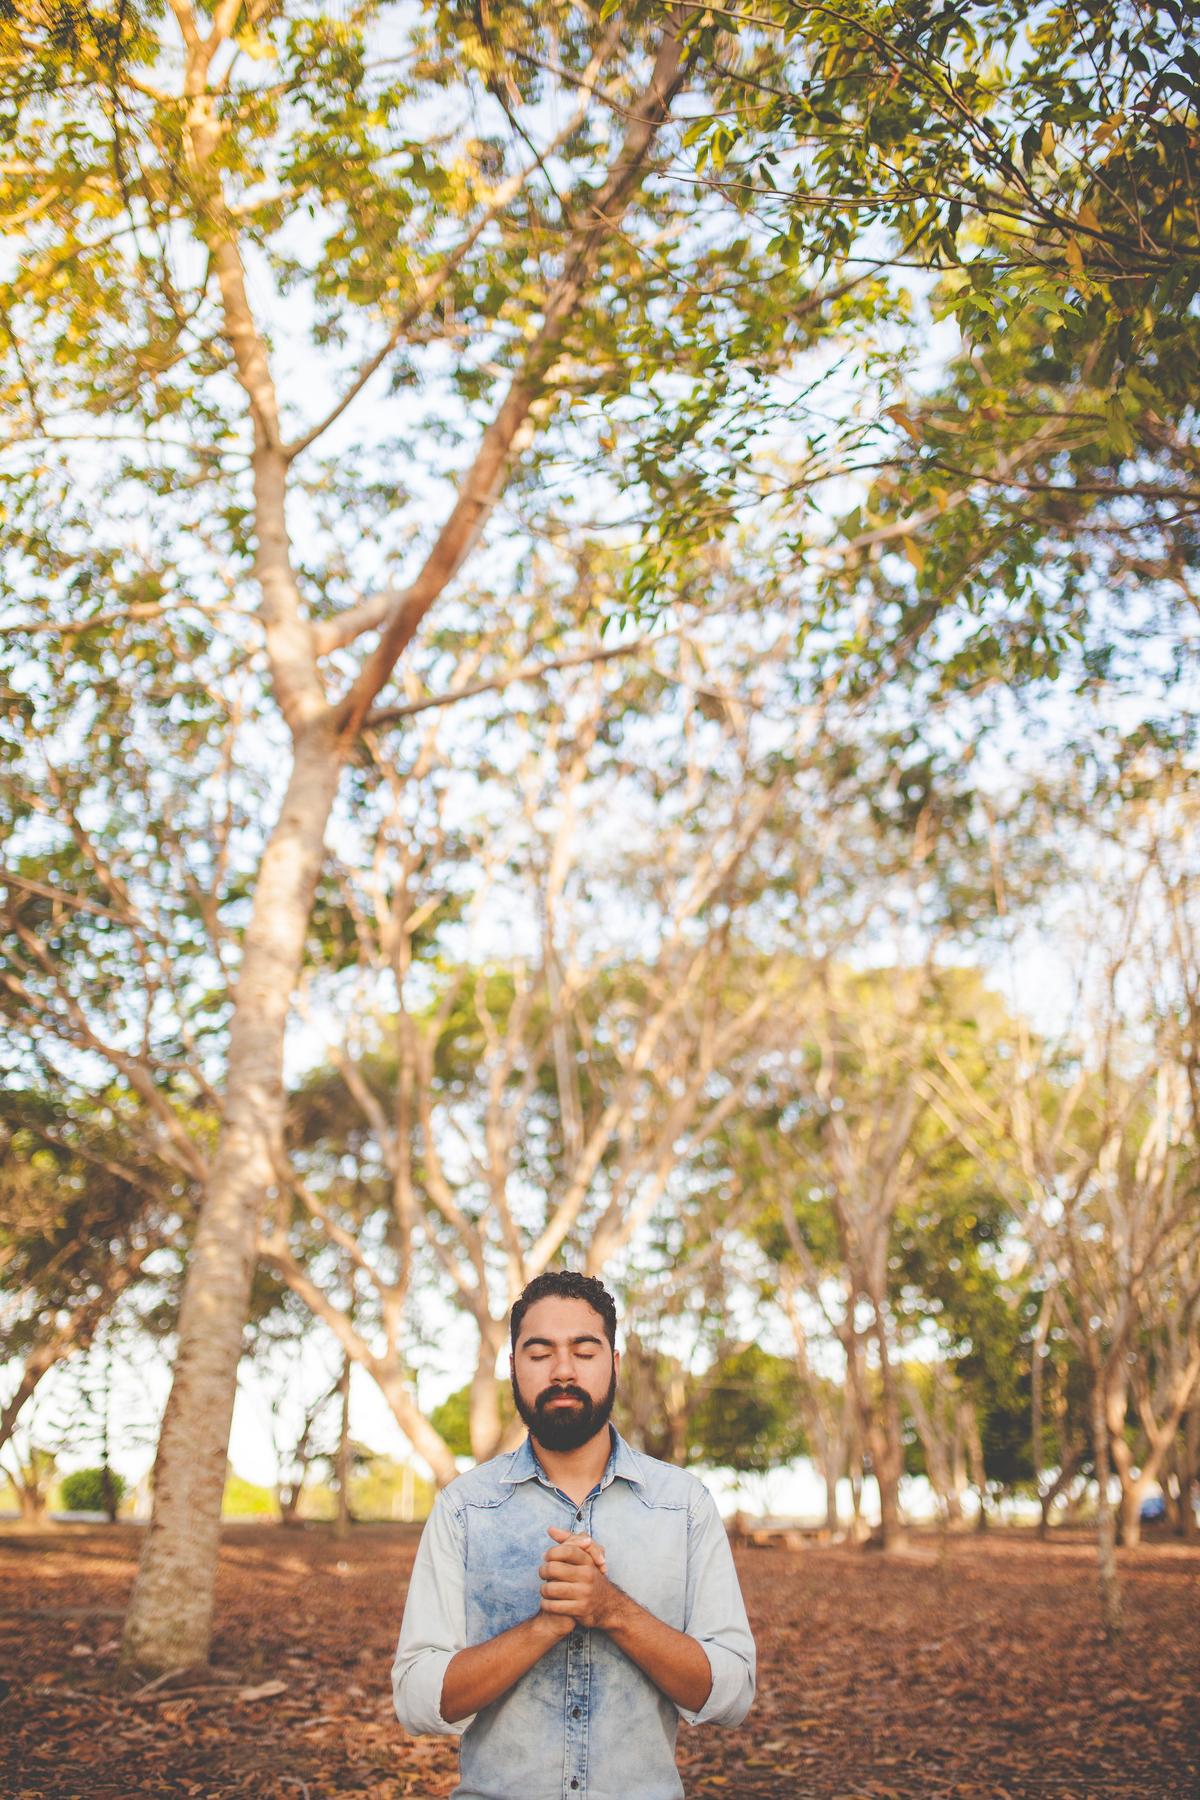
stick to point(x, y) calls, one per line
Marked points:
point(1188, 1456)
point(937, 1461)
point(427, 1442)
point(826, 1433)
point(1106, 1547)
point(882, 1447)
point(31, 1482)
point(341, 1525)
point(1134, 1489)
point(1116, 1406)
point(486, 1427)
point(833, 1523)
point(886, 1438)
point(1160, 1434)
point(966, 1433)
point(1037, 1373)
point(33, 1504)
point(827, 1440)
point(857, 1531)
point(885, 1461)
point(169, 1621)
point(969, 1416)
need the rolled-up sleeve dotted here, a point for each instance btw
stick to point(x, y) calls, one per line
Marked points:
point(434, 1628)
point(716, 1618)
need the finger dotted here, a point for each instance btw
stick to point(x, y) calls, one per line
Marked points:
point(571, 1551)
point(563, 1608)
point(562, 1590)
point(581, 1578)
point(594, 1550)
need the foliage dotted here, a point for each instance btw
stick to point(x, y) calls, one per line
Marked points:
point(1038, 170)
point(748, 1418)
point(91, 1490)
point(452, 1418)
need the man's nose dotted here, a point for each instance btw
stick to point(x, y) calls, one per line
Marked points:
point(562, 1366)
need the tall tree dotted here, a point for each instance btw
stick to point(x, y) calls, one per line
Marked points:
point(233, 179)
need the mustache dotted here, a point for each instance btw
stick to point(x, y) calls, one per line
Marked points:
point(561, 1393)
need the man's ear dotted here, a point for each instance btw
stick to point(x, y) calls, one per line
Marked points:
point(616, 1362)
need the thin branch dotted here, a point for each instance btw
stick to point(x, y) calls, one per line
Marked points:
point(530, 671)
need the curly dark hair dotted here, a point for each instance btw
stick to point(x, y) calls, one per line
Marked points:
point(567, 1285)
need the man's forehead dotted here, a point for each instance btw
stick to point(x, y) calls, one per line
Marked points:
point(562, 1319)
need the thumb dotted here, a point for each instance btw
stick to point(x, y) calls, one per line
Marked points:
point(594, 1551)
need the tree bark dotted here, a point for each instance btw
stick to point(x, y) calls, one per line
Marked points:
point(1106, 1548)
point(341, 1525)
point(1037, 1373)
point(485, 1424)
point(1189, 1473)
point(1116, 1405)
point(1160, 1434)
point(886, 1439)
point(169, 1622)
point(33, 1504)
point(1133, 1491)
point(832, 1521)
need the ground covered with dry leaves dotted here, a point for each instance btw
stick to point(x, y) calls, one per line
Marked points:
point(968, 1670)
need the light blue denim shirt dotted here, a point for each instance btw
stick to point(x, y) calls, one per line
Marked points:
point(584, 1723)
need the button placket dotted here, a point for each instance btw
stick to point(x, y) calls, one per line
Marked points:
point(579, 1668)
point(578, 1673)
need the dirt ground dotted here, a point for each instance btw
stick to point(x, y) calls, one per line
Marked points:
point(963, 1671)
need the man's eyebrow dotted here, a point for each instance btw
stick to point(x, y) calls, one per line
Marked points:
point(550, 1343)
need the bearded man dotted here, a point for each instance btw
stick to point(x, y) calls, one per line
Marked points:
point(571, 1601)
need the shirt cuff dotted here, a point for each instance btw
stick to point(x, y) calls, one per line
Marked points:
point(417, 1691)
point(731, 1692)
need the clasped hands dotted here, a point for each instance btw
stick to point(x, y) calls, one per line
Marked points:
point(575, 1587)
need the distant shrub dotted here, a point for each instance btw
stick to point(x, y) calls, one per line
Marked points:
point(91, 1490)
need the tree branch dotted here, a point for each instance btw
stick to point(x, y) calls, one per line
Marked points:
point(485, 479)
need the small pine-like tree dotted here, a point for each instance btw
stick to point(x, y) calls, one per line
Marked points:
point(92, 1490)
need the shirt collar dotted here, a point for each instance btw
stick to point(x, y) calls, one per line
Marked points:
point(523, 1464)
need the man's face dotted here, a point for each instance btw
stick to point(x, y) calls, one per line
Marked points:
point(564, 1373)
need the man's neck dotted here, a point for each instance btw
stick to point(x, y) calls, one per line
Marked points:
point(576, 1472)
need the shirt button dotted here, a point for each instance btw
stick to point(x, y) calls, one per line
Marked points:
point(574, 1783)
point(576, 1712)
point(578, 1518)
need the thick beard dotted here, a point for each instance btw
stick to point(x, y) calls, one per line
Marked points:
point(565, 1430)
